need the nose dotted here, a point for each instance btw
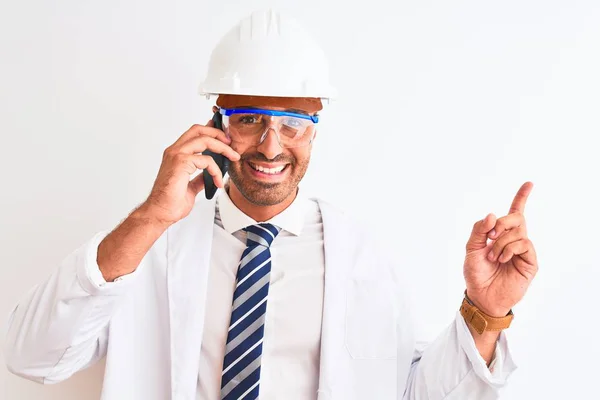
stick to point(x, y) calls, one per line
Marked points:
point(270, 146)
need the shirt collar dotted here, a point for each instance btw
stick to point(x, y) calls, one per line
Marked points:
point(291, 219)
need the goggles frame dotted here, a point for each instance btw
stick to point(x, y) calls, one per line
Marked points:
point(275, 113)
point(231, 111)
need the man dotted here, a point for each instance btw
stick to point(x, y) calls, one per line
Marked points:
point(262, 292)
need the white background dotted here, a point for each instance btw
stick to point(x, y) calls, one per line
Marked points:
point(446, 108)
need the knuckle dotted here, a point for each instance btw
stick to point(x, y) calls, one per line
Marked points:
point(519, 217)
point(215, 142)
point(209, 142)
point(209, 162)
point(206, 141)
point(497, 247)
point(180, 158)
point(498, 243)
point(168, 152)
point(206, 159)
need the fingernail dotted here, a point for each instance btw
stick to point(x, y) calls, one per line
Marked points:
point(491, 255)
point(493, 233)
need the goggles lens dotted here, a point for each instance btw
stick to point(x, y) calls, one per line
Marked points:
point(250, 126)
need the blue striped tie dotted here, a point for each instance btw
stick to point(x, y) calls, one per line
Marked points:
point(241, 366)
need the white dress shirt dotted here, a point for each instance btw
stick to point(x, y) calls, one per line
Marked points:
point(291, 345)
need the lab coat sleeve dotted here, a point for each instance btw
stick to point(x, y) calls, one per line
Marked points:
point(61, 325)
point(451, 368)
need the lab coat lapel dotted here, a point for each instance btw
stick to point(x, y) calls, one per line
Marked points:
point(188, 258)
point(338, 239)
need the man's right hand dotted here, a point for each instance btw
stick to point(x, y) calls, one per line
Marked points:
point(171, 199)
point(174, 194)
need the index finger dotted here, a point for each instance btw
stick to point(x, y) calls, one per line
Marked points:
point(208, 130)
point(518, 204)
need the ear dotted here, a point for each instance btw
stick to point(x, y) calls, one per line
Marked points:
point(215, 109)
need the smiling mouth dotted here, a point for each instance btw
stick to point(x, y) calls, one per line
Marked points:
point(269, 171)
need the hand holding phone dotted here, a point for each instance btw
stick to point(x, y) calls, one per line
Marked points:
point(174, 192)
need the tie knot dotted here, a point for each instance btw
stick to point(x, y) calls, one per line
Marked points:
point(261, 234)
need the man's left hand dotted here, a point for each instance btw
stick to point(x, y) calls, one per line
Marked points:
point(498, 273)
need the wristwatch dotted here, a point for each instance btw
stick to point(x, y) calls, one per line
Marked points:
point(480, 321)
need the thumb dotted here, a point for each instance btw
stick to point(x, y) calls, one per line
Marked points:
point(479, 235)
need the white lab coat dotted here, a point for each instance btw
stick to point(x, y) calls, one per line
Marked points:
point(150, 324)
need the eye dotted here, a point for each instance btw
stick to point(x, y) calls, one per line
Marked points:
point(249, 119)
point(293, 122)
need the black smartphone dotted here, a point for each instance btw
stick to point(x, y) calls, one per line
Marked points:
point(223, 162)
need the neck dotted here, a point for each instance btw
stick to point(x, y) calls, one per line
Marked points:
point(258, 213)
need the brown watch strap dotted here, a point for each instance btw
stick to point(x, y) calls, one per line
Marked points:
point(481, 321)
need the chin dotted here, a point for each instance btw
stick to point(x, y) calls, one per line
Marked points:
point(262, 193)
point(265, 195)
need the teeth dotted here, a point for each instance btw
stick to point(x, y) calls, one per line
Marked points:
point(268, 170)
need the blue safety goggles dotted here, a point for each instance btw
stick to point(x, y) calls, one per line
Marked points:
point(252, 125)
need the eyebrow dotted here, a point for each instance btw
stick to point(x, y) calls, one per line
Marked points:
point(295, 110)
point(292, 110)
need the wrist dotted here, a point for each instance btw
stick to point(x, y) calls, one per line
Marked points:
point(494, 311)
point(121, 251)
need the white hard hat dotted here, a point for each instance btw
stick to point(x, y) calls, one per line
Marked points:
point(268, 54)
